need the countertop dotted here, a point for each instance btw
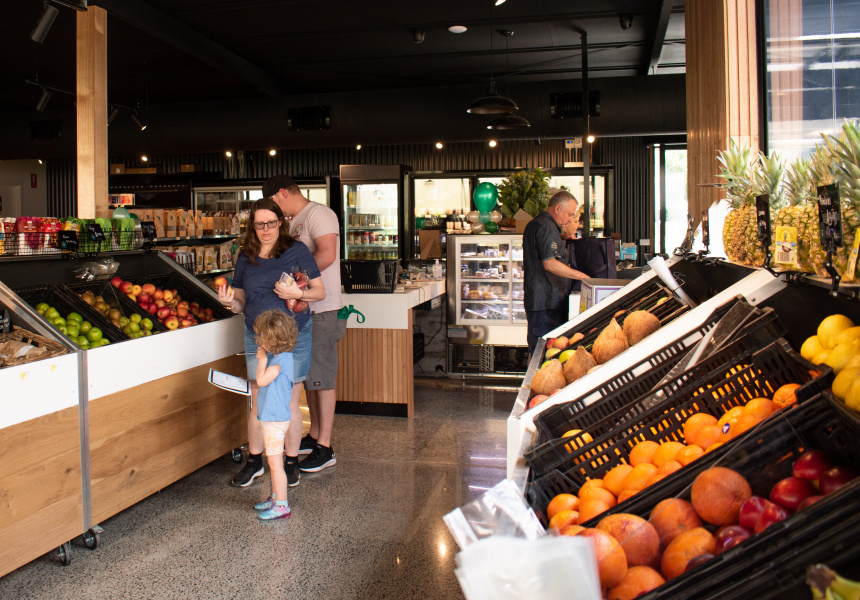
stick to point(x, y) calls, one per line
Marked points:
point(390, 311)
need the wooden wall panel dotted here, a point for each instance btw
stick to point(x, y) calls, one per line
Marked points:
point(786, 96)
point(146, 438)
point(375, 365)
point(40, 487)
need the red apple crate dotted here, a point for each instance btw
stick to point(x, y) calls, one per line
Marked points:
point(771, 564)
point(619, 396)
point(187, 290)
point(114, 299)
point(699, 390)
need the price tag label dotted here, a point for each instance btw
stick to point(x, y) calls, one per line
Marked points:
point(68, 240)
point(829, 216)
point(147, 228)
point(762, 217)
point(786, 246)
point(706, 232)
point(95, 231)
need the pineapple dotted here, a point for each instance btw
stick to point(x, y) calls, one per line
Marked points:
point(845, 151)
point(766, 179)
point(799, 191)
point(736, 170)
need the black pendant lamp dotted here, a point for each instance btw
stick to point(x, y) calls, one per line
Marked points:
point(509, 122)
point(493, 103)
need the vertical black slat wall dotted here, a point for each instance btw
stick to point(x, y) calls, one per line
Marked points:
point(630, 157)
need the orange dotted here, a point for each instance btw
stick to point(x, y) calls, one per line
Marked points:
point(614, 479)
point(579, 441)
point(684, 548)
point(667, 469)
point(747, 422)
point(611, 560)
point(638, 581)
point(642, 452)
point(713, 447)
point(638, 538)
point(717, 495)
point(597, 493)
point(666, 452)
point(591, 483)
point(732, 413)
point(673, 516)
point(761, 407)
point(625, 494)
point(571, 530)
point(707, 436)
point(561, 502)
point(694, 424)
point(785, 396)
point(563, 519)
point(639, 477)
point(588, 509)
point(729, 430)
point(688, 454)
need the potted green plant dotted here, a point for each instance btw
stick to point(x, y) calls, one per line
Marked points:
point(527, 190)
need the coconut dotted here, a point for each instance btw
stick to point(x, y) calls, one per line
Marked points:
point(610, 343)
point(640, 324)
point(578, 365)
point(549, 378)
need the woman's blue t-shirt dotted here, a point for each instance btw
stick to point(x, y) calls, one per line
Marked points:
point(258, 282)
point(273, 400)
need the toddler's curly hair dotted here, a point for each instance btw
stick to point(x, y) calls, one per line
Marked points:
point(276, 331)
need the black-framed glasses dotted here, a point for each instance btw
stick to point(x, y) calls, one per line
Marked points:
point(259, 226)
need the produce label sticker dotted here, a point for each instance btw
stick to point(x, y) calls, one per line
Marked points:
point(786, 245)
point(852, 260)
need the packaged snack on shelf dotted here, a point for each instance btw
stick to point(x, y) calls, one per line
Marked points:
point(225, 255)
point(210, 258)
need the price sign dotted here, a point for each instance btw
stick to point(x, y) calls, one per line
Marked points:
point(706, 232)
point(148, 230)
point(762, 218)
point(68, 240)
point(95, 231)
point(829, 216)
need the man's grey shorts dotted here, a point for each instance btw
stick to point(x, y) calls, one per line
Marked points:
point(327, 332)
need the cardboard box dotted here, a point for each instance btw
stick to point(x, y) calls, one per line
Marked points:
point(117, 169)
point(596, 290)
point(522, 219)
point(628, 251)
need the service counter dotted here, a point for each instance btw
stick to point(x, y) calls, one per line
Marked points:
point(375, 358)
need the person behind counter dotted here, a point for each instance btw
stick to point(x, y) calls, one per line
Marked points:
point(545, 262)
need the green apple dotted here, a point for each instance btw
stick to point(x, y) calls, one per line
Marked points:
point(146, 324)
point(63, 329)
point(57, 321)
point(82, 341)
point(135, 318)
point(85, 326)
point(73, 316)
point(41, 307)
point(134, 326)
point(566, 355)
point(72, 329)
point(104, 341)
point(51, 313)
point(123, 321)
point(94, 334)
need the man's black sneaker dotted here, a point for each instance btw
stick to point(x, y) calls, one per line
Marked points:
point(248, 474)
point(307, 445)
point(293, 473)
point(319, 459)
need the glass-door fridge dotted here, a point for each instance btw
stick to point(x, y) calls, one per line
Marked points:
point(374, 200)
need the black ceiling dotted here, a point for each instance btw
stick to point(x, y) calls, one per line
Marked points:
point(176, 51)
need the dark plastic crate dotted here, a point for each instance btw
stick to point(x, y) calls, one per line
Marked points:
point(605, 414)
point(368, 276)
point(114, 298)
point(64, 303)
point(772, 564)
point(187, 290)
point(694, 392)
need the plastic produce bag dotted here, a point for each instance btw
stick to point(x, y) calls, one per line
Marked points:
point(548, 568)
point(96, 269)
point(500, 511)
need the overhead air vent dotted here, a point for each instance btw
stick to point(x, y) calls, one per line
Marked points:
point(309, 118)
point(49, 130)
point(568, 105)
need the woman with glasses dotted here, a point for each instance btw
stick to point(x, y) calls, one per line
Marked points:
point(268, 251)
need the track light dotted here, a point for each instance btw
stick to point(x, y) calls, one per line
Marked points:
point(43, 101)
point(137, 122)
point(40, 31)
point(114, 111)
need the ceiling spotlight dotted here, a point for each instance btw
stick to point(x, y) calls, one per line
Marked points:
point(144, 158)
point(509, 122)
point(114, 111)
point(439, 145)
point(43, 101)
point(40, 31)
point(40, 161)
point(418, 35)
point(358, 146)
point(457, 29)
point(137, 122)
point(228, 154)
point(272, 152)
point(590, 139)
point(626, 21)
point(492, 143)
point(498, 2)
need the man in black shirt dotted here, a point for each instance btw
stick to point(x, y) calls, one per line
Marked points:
point(547, 275)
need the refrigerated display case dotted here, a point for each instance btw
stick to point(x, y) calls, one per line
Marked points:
point(375, 198)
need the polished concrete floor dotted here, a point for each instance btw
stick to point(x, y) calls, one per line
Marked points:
point(368, 528)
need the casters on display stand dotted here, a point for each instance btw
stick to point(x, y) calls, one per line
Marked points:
point(91, 537)
point(238, 454)
point(65, 554)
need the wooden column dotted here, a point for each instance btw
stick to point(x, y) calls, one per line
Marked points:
point(722, 90)
point(91, 49)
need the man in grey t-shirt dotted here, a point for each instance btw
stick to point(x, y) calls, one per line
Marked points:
point(546, 271)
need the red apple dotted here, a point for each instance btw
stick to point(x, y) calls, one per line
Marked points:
point(561, 343)
point(152, 308)
point(811, 465)
point(730, 536)
point(209, 312)
point(181, 312)
point(697, 560)
point(125, 287)
point(148, 288)
point(157, 294)
point(116, 281)
point(219, 281)
point(171, 323)
point(159, 302)
point(168, 295)
point(182, 304)
point(750, 511)
point(162, 313)
point(172, 311)
point(144, 297)
point(809, 501)
point(555, 391)
point(834, 478)
point(536, 400)
point(133, 297)
point(550, 343)
point(771, 515)
point(185, 323)
point(791, 491)
point(193, 307)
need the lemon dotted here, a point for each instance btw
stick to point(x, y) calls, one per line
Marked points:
point(852, 399)
point(583, 439)
point(854, 363)
point(843, 381)
point(847, 336)
point(821, 357)
point(811, 347)
point(840, 355)
point(831, 327)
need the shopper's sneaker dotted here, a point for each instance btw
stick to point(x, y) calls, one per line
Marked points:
point(293, 473)
point(265, 504)
point(248, 474)
point(307, 445)
point(318, 460)
point(275, 512)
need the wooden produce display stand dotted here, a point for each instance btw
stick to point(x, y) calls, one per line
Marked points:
point(375, 374)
